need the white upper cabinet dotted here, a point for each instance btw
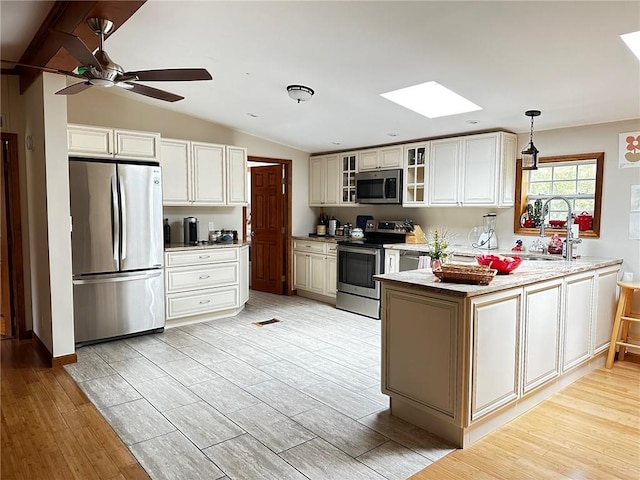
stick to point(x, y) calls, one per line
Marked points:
point(415, 174)
point(380, 158)
point(324, 181)
point(348, 168)
point(474, 170)
point(100, 142)
point(197, 173)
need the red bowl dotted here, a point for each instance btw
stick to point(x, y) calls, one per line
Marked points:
point(503, 264)
point(557, 223)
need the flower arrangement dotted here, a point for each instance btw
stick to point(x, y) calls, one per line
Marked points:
point(437, 243)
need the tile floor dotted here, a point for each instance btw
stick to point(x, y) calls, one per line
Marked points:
point(227, 399)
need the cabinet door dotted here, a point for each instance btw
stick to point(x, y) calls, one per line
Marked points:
point(415, 174)
point(300, 267)
point(480, 174)
point(136, 145)
point(348, 170)
point(175, 160)
point(367, 160)
point(444, 167)
point(390, 157)
point(316, 276)
point(209, 173)
point(89, 141)
point(496, 325)
point(237, 176)
point(542, 319)
point(332, 180)
point(579, 290)
point(605, 307)
point(317, 173)
point(244, 274)
point(330, 276)
point(508, 154)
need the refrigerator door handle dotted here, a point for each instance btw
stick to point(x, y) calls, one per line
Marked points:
point(123, 213)
point(118, 277)
point(115, 221)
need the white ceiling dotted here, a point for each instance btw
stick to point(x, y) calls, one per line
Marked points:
point(563, 58)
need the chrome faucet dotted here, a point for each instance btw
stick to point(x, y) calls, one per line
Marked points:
point(570, 215)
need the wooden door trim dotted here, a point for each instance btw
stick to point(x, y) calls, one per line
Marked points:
point(14, 222)
point(288, 239)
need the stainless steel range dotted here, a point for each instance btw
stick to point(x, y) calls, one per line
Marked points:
point(359, 261)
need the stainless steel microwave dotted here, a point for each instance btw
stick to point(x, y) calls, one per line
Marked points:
point(379, 186)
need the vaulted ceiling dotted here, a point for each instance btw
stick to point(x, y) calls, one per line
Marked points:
point(563, 58)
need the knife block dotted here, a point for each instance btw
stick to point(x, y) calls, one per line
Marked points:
point(417, 236)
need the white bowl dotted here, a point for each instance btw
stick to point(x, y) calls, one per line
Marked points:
point(357, 233)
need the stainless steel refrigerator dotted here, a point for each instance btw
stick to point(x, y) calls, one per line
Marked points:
point(117, 248)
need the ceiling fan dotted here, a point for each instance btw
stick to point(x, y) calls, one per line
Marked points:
point(99, 70)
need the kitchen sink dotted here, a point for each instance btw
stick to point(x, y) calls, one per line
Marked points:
point(542, 258)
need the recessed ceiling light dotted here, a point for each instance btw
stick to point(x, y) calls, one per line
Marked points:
point(336, 143)
point(253, 115)
point(392, 134)
point(473, 122)
point(633, 42)
point(431, 100)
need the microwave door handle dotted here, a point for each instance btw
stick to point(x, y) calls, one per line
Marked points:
point(385, 188)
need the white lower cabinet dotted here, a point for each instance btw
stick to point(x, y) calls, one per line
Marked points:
point(315, 267)
point(391, 261)
point(495, 323)
point(541, 333)
point(578, 313)
point(605, 309)
point(207, 281)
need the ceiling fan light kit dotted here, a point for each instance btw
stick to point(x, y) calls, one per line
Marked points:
point(300, 93)
point(530, 154)
point(99, 70)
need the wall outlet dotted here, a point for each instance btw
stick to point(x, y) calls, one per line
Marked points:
point(210, 226)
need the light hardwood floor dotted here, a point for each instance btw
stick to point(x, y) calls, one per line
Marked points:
point(50, 430)
point(589, 430)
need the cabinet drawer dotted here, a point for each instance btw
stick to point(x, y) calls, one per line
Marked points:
point(332, 249)
point(201, 302)
point(187, 278)
point(308, 246)
point(201, 257)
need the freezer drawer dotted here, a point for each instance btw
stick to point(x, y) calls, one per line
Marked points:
point(113, 305)
point(202, 302)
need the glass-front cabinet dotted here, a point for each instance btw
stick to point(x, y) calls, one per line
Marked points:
point(415, 174)
point(349, 166)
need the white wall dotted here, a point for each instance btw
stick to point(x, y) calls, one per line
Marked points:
point(48, 200)
point(117, 110)
point(614, 238)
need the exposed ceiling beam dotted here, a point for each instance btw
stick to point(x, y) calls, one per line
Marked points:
point(70, 16)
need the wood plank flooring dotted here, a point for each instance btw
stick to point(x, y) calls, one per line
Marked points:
point(49, 429)
point(589, 430)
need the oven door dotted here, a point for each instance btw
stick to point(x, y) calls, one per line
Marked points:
point(356, 268)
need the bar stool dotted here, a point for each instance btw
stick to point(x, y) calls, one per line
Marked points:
point(623, 319)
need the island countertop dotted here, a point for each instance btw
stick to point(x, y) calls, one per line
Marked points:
point(527, 273)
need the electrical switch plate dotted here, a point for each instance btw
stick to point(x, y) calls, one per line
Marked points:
point(210, 226)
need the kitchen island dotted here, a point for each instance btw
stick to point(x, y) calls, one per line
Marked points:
point(461, 360)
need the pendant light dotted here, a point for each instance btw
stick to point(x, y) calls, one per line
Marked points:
point(530, 154)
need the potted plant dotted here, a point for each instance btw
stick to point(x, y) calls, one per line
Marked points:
point(437, 243)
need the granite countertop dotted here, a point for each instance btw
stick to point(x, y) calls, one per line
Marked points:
point(463, 250)
point(176, 247)
point(527, 273)
point(325, 238)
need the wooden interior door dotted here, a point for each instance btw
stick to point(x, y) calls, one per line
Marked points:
point(6, 313)
point(267, 229)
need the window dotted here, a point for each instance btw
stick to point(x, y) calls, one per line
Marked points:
point(578, 178)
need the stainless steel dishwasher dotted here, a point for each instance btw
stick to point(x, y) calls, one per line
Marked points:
point(409, 260)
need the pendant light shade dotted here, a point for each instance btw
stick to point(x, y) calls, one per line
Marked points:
point(530, 154)
point(300, 93)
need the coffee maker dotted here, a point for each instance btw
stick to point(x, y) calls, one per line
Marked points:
point(190, 230)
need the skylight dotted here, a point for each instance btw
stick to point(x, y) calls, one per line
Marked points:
point(633, 42)
point(431, 100)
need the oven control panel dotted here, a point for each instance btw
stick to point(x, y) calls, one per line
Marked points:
point(386, 226)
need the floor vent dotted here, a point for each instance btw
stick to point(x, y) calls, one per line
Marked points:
point(266, 322)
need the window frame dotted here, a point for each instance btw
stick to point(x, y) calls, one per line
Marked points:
point(522, 188)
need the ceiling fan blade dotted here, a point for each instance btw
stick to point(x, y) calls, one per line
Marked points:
point(77, 48)
point(44, 69)
point(75, 88)
point(154, 92)
point(172, 75)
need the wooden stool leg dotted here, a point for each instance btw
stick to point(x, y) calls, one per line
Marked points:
point(624, 336)
point(625, 295)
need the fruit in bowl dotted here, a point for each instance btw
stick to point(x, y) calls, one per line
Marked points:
point(557, 223)
point(503, 264)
